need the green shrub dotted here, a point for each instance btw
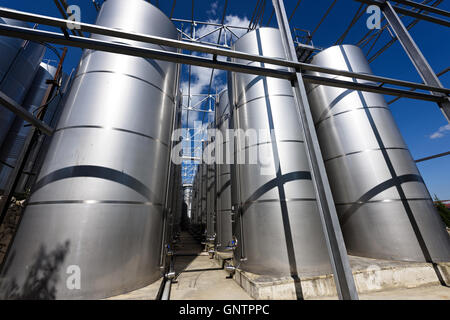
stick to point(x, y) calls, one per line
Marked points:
point(443, 211)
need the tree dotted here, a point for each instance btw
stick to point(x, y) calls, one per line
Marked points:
point(443, 211)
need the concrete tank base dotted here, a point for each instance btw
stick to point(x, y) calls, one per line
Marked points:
point(371, 275)
point(148, 293)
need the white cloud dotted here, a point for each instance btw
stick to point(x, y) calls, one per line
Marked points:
point(213, 9)
point(441, 132)
point(201, 77)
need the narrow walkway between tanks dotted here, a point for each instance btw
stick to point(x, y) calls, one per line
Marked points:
point(199, 277)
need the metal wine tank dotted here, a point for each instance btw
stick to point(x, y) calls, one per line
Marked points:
point(98, 203)
point(281, 232)
point(15, 139)
point(19, 63)
point(376, 185)
point(224, 225)
point(210, 185)
point(204, 186)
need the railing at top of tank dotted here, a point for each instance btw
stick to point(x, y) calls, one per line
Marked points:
point(224, 30)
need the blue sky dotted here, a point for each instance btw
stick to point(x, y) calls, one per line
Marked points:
point(423, 126)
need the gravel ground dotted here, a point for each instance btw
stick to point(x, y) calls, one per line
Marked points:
point(9, 226)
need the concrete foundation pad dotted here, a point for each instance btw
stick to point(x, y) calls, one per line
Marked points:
point(148, 293)
point(264, 288)
point(371, 275)
point(221, 257)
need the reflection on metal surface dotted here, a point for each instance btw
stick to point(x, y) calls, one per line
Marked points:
point(19, 63)
point(280, 237)
point(102, 190)
point(114, 129)
point(384, 206)
point(224, 224)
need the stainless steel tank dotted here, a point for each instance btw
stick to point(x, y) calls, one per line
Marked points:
point(187, 198)
point(210, 185)
point(281, 229)
point(194, 211)
point(210, 202)
point(204, 188)
point(375, 182)
point(97, 207)
point(223, 189)
point(19, 62)
point(15, 139)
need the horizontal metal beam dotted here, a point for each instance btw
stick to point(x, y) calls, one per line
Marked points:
point(59, 38)
point(208, 23)
point(433, 157)
point(13, 14)
point(21, 112)
point(370, 88)
point(424, 7)
point(410, 13)
point(81, 42)
point(93, 44)
point(421, 64)
point(382, 80)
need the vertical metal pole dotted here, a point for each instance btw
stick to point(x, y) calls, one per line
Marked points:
point(166, 209)
point(337, 251)
point(415, 55)
point(236, 173)
point(216, 173)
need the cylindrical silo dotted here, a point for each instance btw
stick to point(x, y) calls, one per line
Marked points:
point(187, 198)
point(204, 187)
point(223, 193)
point(198, 219)
point(96, 212)
point(19, 62)
point(210, 185)
point(210, 201)
point(281, 228)
point(193, 217)
point(15, 139)
point(378, 190)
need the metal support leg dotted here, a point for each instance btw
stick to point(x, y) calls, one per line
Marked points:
point(416, 56)
point(14, 176)
point(342, 271)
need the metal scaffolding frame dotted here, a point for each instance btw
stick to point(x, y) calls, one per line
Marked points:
point(296, 74)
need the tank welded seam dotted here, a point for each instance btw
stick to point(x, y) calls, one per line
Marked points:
point(280, 200)
point(114, 129)
point(383, 201)
point(91, 202)
point(224, 174)
point(409, 213)
point(6, 164)
point(171, 98)
point(269, 142)
point(319, 122)
point(362, 151)
point(151, 61)
point(314, 86)
point(131, 31)
point(264, 97)
point(259, 63)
